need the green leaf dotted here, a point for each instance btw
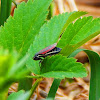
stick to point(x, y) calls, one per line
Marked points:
point(60, 67)
point(19, 31)
point(18, 69)
point(21, 95)
point(73, 54)
point(94, 92)
point(23, 84)
point(11, 70)
point(48, 35)
point(94, 59)
point(5, 10)
point(79, 33)
point(53, 89)
point(73, 16)
point(7, 60)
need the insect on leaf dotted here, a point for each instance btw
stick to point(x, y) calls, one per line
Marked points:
point(48, 35)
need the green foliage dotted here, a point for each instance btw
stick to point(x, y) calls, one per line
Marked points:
point(22, 33)
point(78, 33)
point(18, 69)
point(20, 30)
point(10, 69)
point(53, 89)
point(6, 61)
point(60, 67)
point(23, 84)
point(94, 92)
point(21, 95)
point(49, 34)
point(94, 59)
point(5, 10)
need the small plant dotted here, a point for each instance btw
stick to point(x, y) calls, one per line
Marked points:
point(28, 32)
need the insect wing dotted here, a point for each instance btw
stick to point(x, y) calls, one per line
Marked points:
point(47, 49)
point(56, 50)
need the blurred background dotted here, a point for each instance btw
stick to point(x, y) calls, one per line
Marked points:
point(60, 6)
point(76, 88)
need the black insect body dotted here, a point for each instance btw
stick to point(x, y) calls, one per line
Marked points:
point(48, 51)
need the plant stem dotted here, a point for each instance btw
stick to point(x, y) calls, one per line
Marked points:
point(53, 89)
point(14, 3)
point(35, 86)
point(5, 10)
point(36, 77)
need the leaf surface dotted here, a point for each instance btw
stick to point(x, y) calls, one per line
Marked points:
point(79, 33)
point(94, 92)
point(48, 35)
point(18, 69)
point(21, 95)
point(60, 67)
point(19, 31)
point(94, 59)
